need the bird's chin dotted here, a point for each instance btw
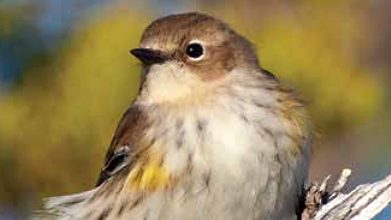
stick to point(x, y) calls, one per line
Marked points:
point(169, 83)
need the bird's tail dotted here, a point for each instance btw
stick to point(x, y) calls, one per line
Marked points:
point(63, 207)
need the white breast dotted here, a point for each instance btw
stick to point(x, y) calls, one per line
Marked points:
point(240, 158)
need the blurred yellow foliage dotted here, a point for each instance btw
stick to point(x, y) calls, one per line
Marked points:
point(58, 124)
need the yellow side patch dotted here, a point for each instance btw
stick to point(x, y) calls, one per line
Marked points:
point(149, 176)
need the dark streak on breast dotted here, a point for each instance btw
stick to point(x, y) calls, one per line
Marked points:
point(105, 213)
point(201, 125)
point(135, 203)
point(180, 139)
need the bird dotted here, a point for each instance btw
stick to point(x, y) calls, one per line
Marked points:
point(210, 135)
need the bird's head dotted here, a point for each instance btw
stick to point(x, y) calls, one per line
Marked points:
point(184, 55)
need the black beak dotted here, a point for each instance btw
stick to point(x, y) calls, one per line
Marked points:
point(149, 56)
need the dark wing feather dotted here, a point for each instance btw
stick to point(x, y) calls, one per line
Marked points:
point(268, 74)
point(125, 139)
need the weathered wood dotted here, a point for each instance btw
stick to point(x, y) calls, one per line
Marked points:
point(363, 202)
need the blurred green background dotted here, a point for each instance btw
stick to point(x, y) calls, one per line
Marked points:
point(66, 77)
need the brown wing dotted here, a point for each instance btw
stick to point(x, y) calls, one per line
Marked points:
point(125, 139)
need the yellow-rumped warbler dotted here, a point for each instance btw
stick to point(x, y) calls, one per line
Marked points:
point(211, 134)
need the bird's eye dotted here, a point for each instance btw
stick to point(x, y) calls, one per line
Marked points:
point(195, 51)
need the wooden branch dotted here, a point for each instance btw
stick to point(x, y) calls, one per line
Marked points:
point(364, 202)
